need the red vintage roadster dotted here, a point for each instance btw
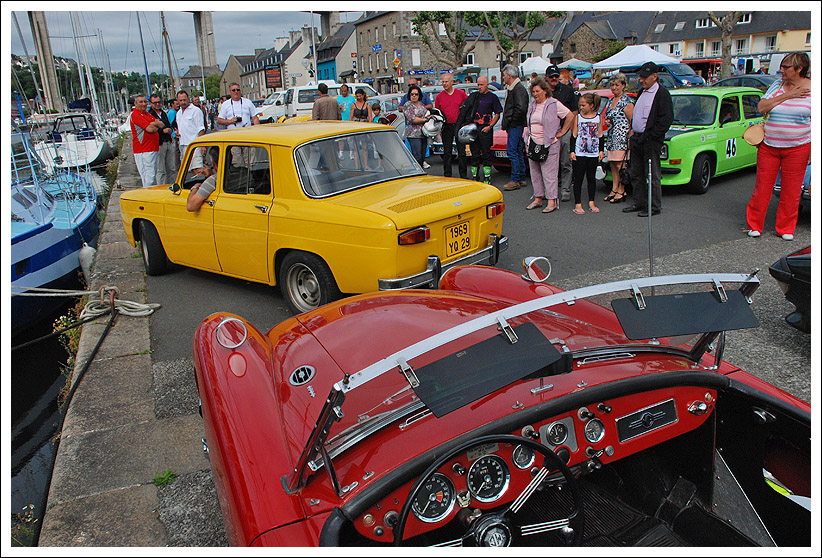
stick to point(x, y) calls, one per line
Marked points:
point(501, 410)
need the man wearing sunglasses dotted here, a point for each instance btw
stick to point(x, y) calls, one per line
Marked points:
point(237, 111)
point(166, 155)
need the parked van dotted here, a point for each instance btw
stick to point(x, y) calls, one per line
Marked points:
point(300, 100)
point(271, 109)
point(684, 75)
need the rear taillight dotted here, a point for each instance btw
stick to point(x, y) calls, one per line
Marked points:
point(414, 236)
point(391, 117)
point(494, 209)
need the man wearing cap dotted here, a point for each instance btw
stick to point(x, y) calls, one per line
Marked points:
point(653, 115)
point(566, 95)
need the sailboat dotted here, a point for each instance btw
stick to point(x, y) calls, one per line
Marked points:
point(53, 217)
point(78, 138)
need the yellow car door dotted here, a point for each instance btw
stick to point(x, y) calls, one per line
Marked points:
point(189, 236)
point(241, 213)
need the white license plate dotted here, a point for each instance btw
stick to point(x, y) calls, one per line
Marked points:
point(457, 239)
point(503, 154)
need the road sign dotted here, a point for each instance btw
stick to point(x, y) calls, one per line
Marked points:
point(353, 55)
point(294, 75)
point(396, 62)
point(376, 48)
point(399, 53)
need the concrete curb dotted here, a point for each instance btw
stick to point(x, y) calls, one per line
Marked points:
point(118, 434)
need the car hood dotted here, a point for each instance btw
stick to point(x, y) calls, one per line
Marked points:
point(411, 201)
point(673, 132)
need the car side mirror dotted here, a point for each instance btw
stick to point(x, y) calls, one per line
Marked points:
point(175, 189)
point(278, 102)
point(536, 269)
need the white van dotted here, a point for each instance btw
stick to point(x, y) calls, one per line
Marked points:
point(300, 100)
point(272, 108)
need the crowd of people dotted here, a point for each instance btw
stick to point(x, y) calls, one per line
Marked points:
point(161, 132)
point(549, 124)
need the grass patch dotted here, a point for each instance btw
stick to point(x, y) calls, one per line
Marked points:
point(165, 478)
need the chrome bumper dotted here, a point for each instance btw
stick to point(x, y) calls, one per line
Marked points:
point(435, 269)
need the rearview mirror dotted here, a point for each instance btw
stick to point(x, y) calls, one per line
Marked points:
point(536, 269)
point(175, 189)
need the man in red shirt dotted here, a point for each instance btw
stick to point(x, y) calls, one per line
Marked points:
point(145, 140)
point(449, 101)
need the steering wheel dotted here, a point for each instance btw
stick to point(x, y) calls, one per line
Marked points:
point(501, 528)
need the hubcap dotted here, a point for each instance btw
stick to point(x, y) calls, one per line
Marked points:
point(304, 287)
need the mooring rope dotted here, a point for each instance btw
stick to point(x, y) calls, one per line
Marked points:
point(96, 307)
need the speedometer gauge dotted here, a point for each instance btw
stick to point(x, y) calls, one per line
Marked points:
point(435, 499)
point(488, 478)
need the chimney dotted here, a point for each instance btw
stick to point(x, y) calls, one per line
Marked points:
point(293, 37)
point(258, 51)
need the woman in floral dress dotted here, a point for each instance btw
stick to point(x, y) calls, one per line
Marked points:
point(618, 114)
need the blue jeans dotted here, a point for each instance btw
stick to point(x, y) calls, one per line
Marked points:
point(516, 153)
point(417, 146)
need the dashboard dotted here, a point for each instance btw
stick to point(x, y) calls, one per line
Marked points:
point(491, 476)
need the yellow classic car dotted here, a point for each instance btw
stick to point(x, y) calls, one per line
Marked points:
point(320, 208)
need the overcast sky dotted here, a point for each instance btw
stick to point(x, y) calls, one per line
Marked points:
point(235, 32)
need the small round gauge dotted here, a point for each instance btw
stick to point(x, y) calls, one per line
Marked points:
point(435, 499)
point(488, 478)
point(557, 433)
point(523, 457)
point(594, 430)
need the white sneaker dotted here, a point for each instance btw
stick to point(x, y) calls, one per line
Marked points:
point(425, 165)
point(754, 233)
point(787, 237)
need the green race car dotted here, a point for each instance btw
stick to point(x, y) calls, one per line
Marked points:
point(705, 138)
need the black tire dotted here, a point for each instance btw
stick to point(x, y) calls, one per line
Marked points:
point(701, 174)
point(154, 255)
point(306, 282)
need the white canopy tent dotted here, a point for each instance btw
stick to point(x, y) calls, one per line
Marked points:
point(575, 64)
point(534, 64)
point(635, 55)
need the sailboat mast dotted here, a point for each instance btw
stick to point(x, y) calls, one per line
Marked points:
point(145, 62)
point(168, 55)
point(106, 76)
point(92, 89)
point(37, 96)
point(79, 64)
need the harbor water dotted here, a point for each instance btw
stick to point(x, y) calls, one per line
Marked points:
point(37, 379)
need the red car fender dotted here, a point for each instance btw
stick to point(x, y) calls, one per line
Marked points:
point(304, 533)
point(244, 430)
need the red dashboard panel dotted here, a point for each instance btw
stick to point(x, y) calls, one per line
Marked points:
point(606, 430)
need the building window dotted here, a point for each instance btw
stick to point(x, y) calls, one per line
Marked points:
point(413, 31)
point(716, 48)
point(385, 60)
point(673, 48)
point(376, 34)
point(469, 59)
point(703, 23)
point(369, 37)
point(808, 38)
point(442, 29)
point(741, 46)
point(770, 43)
point(700, 50)
point(659, 28)
point(523, 56)
point(679, 26)
point(655, 47)
point(370, 64)
point(415, 57)
point(573, 48)
point(746, 18)
point(384, 34)
point(394, 27)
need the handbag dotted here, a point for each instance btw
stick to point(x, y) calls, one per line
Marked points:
point(536, 152)
point(754, 134)
point(625, 172)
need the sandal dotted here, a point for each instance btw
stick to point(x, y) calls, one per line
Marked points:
point(621, 198)
point(534, 204)
point(610, 197)
point(579, 211)
point(549, 209)
point(593, 209)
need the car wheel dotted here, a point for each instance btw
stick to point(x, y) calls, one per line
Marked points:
point(701, 175)
point(154, 255)
point(306, 282)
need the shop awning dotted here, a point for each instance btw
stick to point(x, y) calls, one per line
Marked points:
point(703, 61)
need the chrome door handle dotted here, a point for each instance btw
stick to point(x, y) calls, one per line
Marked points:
point(261, 208)
point(210, 203)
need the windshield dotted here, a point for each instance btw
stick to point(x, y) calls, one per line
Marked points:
point(694, 110)
point(680, 69)
point(272, 98)
point(334, 165)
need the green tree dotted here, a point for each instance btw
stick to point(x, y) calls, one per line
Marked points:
point(726, 25)
point(513, 30)
point(212, 86)
point(612, 48)
point(451, 49)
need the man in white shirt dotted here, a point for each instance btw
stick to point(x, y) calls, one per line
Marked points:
point(237, 111)
point(189, 120)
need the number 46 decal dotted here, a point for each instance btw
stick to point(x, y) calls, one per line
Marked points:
point(730, 148)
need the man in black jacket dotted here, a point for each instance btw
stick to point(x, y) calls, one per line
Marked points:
point(167, 157)
point(653, 115)
point(513, 122)
point(566, 95)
